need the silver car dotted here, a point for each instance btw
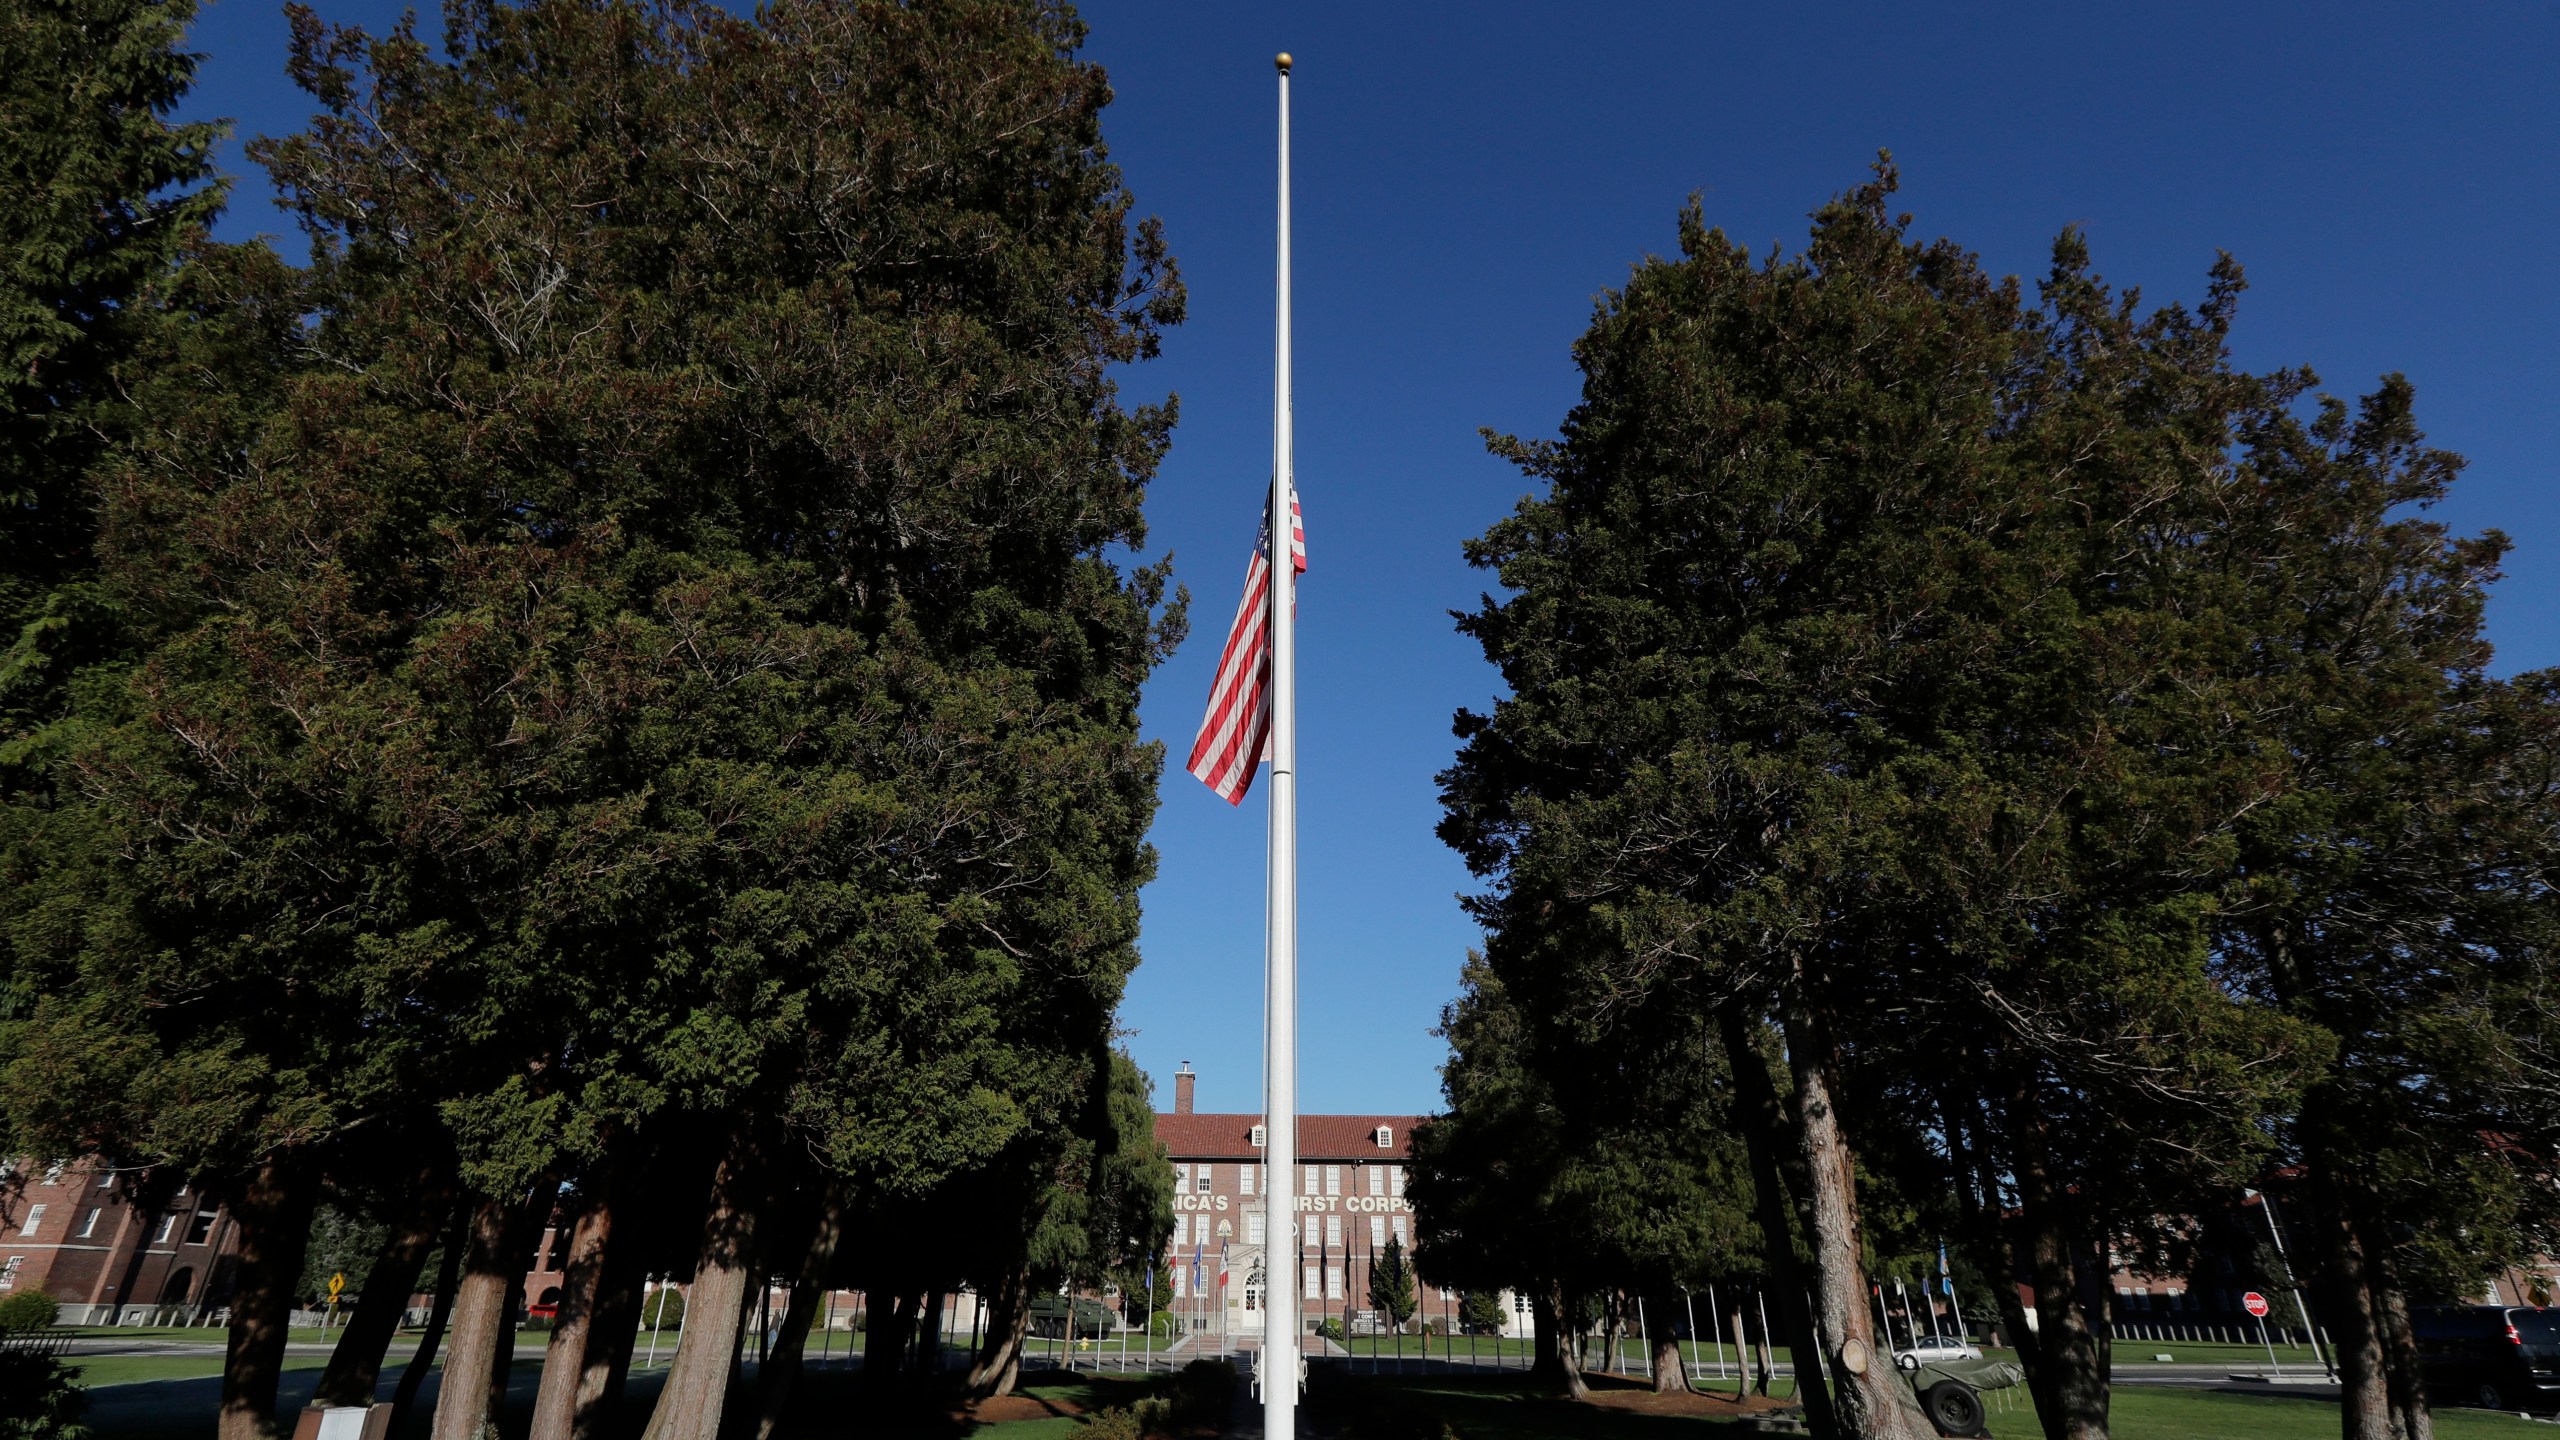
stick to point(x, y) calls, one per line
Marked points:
point(1930, 1348)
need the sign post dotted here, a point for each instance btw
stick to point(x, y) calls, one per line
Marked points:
point(2256, 1305)
point(337, 1283)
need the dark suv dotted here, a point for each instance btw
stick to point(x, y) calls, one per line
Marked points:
point(2492, 1356)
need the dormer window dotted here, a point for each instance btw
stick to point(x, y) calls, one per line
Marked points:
point(1386, 1137)
point(1260, 1141)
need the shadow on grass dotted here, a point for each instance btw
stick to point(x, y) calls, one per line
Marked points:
point(1497, 1407)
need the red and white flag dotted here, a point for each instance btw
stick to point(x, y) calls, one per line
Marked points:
point(1235, 736)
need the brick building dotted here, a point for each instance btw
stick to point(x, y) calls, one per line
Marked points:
point(75, 1231)
point(1348, 1186)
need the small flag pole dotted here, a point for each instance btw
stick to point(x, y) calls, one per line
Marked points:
point(1279, 1358)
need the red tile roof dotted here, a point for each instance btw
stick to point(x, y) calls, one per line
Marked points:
point(1320, 1137)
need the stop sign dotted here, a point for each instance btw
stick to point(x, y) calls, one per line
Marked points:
point(2255, 1304)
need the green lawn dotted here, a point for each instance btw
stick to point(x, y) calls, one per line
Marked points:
point(1495, 1410)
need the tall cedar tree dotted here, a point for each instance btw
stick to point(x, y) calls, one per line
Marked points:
point(102, 196)
point(658, 654)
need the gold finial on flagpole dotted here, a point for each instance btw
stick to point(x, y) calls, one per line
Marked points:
point(1283, 62)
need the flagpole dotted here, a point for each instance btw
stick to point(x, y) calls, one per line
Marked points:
point(1279, 1358)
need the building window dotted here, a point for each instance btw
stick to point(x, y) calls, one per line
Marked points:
point(1377, 1232)
point(1181, 1179)
point(168, 1223)
point(106, 1178)
point(1311, 1180)
point(9, 1273)
point(1400, 1235)
point(53, 1173)
point(202, 1229)
point(1333, 1282)
point(1311, 1232)
point(1395, 1181)
point(1253, 1230)
point(1386, 1137)
point(89, 1226)
point(1203, 1181)
point(1312, 1282)
point(1378, 1181)
point(1181, 1231)
point(1244, 1179)
point(1181, 1282)
point(1333, 1232)
point(35, 1216)
point(1333, 1179)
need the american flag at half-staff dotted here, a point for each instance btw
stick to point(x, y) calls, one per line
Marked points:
point(1235, 735)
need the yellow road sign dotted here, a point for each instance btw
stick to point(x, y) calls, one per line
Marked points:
point(337, 1283)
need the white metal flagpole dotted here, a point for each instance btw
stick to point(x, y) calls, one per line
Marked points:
point(1279, 1359)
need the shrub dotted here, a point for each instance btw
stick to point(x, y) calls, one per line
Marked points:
point(40, 1398)
point(1165, 1325)
point(28, 1310)
point(1330, 1330)
point(1117, 1423)
point(663, 1311)
point(1201, 1392)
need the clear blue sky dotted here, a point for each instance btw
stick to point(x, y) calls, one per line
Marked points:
point(1470, 177)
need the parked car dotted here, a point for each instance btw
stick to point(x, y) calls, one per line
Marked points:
point(2494, 1356)
point(1940, 1347)
point(1049, 1317)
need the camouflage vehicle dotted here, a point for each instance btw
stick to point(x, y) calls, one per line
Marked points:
point(1950, 1390)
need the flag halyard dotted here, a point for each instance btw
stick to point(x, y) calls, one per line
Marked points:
point(1235, 734)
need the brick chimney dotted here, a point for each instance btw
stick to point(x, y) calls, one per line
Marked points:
point(1183, 1080)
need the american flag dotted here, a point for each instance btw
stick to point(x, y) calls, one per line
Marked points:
point(1235, 736)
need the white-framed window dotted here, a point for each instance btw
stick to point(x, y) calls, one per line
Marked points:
point(1395, 1181)
point(1333, 1179)
point(89, 1223)
point(168, 1227)
point(1312, 1173)
point(35, 1217)
point(1244, 1179)
point(1260, 1138)
point(1312, 1282)
point(1253, 1231)
point(53, 1173)
point(201, 1229)
point(106, 1177)
point(9, 1272)
point(1378, 1232)
point(1401, 1237)
point(1181, 1282)
point(1378, 1182)
point(1386, 1137)
point(1181, 1179)
point(1333, 1282)
point(1314, 1236)
point(1333, 1232)
point(1201, 1182)
point(1181, 1231)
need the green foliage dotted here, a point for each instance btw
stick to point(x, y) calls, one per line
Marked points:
point(41, 1398)
point(1482, 1312)
point(342, 1243)
point(1391, 1286)
point(664, 1310)
point(28, 1309)
point(1200, 1393)
point(1330, 1329)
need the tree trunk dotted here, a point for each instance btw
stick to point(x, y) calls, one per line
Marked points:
point(2400, 1351)
point(573, 1330)
point(1555, 1363)
point(524, 1243)
point(884, 1349)
point(611, 1338)
point(1670, 1361)
point(479, 1305)
point(272, 1213)
point(1869, 1400)
point(929, 1334)
point(781, 1372)
point(355, 1365)
point(2346, 1286)
point(439, 1313)
point(2072, 1391)
point(1764, 1355)
point(1764, 1127)
point(998, 1367)
point(697, 1388)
